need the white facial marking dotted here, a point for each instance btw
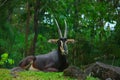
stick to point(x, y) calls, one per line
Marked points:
point(61, 44)
point(61, 47)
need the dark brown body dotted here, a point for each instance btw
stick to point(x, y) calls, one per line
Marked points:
point(51, 62)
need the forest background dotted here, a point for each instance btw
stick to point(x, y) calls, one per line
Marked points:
point(27, 25)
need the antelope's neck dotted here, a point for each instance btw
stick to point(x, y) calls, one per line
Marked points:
point(62, 58)
point(62, 61)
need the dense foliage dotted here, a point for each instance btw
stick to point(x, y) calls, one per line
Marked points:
point(27, 25)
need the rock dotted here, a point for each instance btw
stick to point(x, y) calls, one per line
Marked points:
point(103, 71)
point(74, 72)
point(97, 69)
point(14, 71)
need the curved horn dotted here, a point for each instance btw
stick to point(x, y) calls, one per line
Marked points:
point(59, 31)
point(65, 33)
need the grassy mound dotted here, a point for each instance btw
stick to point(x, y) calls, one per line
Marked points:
point(32, 75)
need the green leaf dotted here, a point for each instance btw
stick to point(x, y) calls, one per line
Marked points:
point(1, 63)
point(4, 56)
point(10, 61)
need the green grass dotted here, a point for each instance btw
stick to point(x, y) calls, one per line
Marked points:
point(32, 75)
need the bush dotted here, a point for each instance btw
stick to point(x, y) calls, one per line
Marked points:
point(5, 60)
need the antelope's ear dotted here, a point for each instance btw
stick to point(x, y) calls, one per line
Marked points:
point(71, 41)
point(52, 40)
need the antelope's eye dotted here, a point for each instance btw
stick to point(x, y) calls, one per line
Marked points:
point(65, 39)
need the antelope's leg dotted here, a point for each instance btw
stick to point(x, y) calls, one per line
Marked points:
point(51, 70)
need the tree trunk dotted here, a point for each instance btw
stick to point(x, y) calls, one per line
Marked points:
point(27, 29)
point(33, 44)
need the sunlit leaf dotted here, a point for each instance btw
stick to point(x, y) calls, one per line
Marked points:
point(4, 55)
point(10, 61)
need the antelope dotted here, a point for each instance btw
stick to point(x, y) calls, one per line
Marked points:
point(54, 61)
